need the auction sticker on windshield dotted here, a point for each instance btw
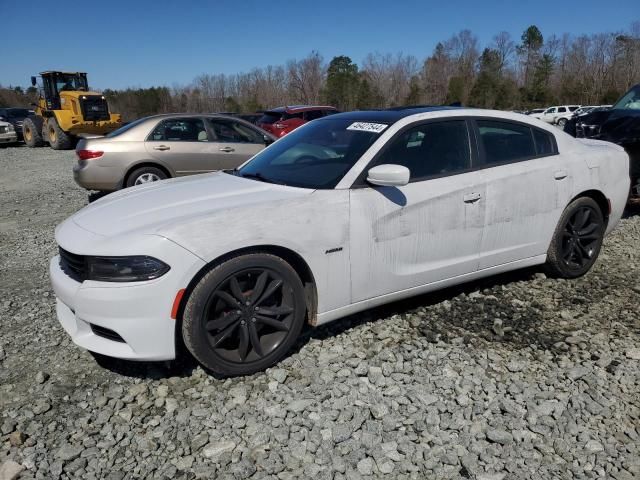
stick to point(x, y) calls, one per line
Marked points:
point(367, 127)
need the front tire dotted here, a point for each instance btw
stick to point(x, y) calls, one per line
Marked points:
point(244, 315)
point(58, 138)
point(32, 132)
point(577, 239)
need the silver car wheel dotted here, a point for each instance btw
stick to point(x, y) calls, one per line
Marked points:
point(146, 178)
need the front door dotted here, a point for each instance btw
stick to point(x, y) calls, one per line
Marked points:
point(426, 231)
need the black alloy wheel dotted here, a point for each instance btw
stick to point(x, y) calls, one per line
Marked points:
point(244, 315)
point(581, 237)
point(249, 315)
point(577, 239)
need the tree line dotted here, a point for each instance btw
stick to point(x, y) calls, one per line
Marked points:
point(508, 73)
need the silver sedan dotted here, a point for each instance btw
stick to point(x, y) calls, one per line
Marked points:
point(165, 146)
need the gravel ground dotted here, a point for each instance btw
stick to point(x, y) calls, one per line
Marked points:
point(517, 376)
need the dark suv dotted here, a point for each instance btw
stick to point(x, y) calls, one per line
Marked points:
point(15, 116)
point(619, 124)
point(282, 120)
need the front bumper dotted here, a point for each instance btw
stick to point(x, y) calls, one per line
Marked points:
point(139, 313)
point(8, 137)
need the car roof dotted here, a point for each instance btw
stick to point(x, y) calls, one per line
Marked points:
point(299, 108)
point(389, 116)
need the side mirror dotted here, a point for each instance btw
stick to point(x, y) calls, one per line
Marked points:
point(388, 175)
point(33, 81)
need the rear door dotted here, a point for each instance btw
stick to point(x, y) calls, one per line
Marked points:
point(233, 143)
point(527, 187)
point(181, 143)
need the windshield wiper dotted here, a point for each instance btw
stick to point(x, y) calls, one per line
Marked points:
point(258, 176)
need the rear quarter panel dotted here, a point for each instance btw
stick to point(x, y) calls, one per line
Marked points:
point(608, 171)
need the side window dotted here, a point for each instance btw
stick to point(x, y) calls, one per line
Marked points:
point(544, 142)
point(431, 149)
point(562, 110)
point(312, 115)
point(233, 132)
point(180, 130)
point(573, 109)
point(505, 141)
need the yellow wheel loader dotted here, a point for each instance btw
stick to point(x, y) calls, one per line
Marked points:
point(65, 109)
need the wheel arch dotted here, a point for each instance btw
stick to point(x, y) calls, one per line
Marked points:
point(145, 163)
point(600, 198)
point(293, 258)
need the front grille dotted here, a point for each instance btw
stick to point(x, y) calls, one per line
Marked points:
point(106, 333)
point(3, 130)
point(94, 108)
point(73, 265)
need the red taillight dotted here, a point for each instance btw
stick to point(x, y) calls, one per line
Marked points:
point(88, 154)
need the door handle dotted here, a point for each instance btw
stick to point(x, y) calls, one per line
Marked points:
point(227, 149)
point(162, 148)
point(471, 197)
point(560, 174)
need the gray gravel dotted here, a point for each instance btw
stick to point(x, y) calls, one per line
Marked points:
point(517, 376)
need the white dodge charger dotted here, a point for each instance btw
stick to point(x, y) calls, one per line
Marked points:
point(346, 213)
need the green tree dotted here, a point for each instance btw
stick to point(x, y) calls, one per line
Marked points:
point(341, 88)
point(415, 92)
point(540, 91)
point(529, 49)
point(455, 91)
point(485, 90)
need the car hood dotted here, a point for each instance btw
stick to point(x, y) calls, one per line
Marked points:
point(147, 208)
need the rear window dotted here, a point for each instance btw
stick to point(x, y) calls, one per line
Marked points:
point(544, 142)
point(124, 128)
point(288, 116)
point(505, 141)
point(270, 117)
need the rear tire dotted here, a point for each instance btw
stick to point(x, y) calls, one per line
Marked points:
point(562, 122)
point(144, 175)
point(58, 138)
point(244, 315)
point(32, 132)
point(577, 240)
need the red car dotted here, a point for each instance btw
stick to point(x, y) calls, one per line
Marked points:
point(282, 120)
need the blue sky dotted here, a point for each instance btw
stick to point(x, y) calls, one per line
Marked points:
point(145, 43)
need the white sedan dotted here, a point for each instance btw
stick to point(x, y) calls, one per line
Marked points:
point(346, 213)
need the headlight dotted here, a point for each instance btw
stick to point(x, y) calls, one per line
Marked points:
point(10, 128)
point(125, 269)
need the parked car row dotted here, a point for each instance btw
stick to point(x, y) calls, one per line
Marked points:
point(15, 117)
point(561, 114)
point(174, 145)
point(347, 212)
point(618, 124)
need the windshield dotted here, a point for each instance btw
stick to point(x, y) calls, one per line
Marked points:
point(315, 156)
point(630, 101)
point(124, 128)
point(70, 82)
point(18, 113)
